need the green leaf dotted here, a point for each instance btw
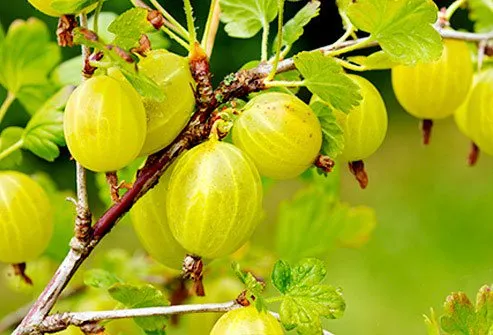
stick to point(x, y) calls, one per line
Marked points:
point(481, 12)
point(326, 79)
point(129, 27)
point(32, 97)
point(143, 84)
point(27, 55)
point(139, 296)
point(253, 287)
point(403, 28)
point(293, 29)
point(333, 135)
point(379, 60)
point(10, 136)
point(461, 317)
point(68, 72)
point(314, 222)
point(99, 278)
point(244, 19)
point(304, 298)
point(72, 6)
point(44, 132)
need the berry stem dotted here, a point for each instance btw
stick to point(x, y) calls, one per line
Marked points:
point(280, 23)
point(14, 147)
point(453, 7)
point(265, 40)
point(211, 27)
point(6, 104)
point(426, 127)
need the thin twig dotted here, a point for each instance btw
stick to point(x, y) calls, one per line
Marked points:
point(83, 220)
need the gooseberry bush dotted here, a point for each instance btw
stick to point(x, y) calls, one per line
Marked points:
point(190, 162)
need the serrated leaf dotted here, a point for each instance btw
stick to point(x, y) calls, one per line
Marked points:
point(326, 79)
point(481, 12)
point(403, 28)
point(462, 317)
point(281, 276)
point(305, 299)
point(44, 132)
point(9, 137)
point(379, 60)
point(333, 135)
point(244, 19)
point(252, 285)
point(139, 296)
point(314, 222)
point(100, 278)
point(27, 55)
point(72, 6)
point(129, 27)
point(293, 29)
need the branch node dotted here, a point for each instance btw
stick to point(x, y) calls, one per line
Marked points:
point(92, 328)
point(325, 163)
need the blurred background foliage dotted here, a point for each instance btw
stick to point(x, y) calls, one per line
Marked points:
point(434, 213)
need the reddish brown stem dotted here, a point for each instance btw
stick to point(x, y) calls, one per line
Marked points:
point(357, 168)
point(426, 126)
point(473, 154)
point(20, 271)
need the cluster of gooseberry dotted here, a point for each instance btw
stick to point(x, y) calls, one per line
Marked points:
point(448, 87)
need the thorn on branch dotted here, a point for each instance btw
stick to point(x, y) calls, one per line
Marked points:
point(20, 271)
point(325, 163)
point(66, 25)
point(473, 157)
point(357, 168)
point(426, 126)
point(192, 269)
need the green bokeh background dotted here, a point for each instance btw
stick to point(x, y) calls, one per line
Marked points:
point(435, 214)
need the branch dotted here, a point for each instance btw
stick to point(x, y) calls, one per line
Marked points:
point(288, 64)
point(83, 219)
point(236, 85)
point(58, 322)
